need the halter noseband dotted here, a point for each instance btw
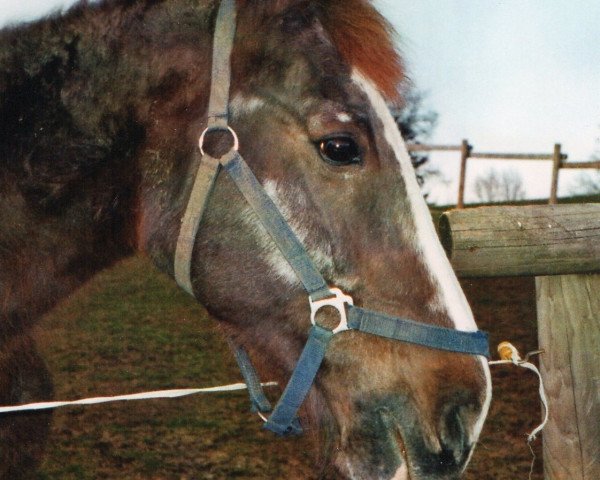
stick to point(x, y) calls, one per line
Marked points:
point(283, 419)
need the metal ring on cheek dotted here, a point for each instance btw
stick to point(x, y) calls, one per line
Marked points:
point(236, 142)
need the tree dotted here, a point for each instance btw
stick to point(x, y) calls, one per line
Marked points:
point(504, 186)
point(416, 123)
point(589, 183)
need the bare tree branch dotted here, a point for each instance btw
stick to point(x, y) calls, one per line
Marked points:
point(504, 186)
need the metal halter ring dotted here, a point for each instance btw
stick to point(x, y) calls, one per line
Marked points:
point(236, 142)
point(338, 300)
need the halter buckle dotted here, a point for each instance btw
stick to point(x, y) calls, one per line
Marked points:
point(337, 301)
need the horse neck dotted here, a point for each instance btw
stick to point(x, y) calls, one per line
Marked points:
point(68, 141)
point(89, 99)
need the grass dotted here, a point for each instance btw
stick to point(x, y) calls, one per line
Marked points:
point(131, 329)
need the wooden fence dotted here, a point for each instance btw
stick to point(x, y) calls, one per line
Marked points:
point(557, 157)
point(560, 246)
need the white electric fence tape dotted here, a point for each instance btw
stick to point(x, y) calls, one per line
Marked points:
point(134, 396)
point(511, 355)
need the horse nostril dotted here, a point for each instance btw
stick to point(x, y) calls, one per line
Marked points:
point(455, 446)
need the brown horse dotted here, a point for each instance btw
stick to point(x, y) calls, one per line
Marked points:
point(100, 114)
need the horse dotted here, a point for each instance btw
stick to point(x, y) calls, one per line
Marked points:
point(100, 114)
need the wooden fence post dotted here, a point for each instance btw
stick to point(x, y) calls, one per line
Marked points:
point(465, 150)
point(551, 242)
point(556, 161)
point(569, 332)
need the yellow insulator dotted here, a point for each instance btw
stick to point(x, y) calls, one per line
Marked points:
point(507, 351)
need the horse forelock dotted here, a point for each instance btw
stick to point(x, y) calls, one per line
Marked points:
point(363, 37)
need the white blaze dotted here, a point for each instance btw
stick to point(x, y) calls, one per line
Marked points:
point(449, 294)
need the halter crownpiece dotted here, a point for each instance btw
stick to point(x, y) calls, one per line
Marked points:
point(283, 420)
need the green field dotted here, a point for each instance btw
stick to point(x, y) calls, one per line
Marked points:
point(129, 330)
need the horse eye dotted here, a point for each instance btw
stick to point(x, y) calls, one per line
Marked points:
point(339, 150)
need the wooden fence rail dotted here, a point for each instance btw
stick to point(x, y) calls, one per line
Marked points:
point(554, 243)
point(518, 241)
point(557, 157)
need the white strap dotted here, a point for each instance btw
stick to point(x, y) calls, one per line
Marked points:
point(134, 396)
point(512, 357)
point(203, 184)
point(221, 64)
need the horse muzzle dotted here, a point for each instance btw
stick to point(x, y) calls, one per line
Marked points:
point(389, 441)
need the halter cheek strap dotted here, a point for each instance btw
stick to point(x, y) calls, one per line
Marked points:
point(217, 120)
point(283, 420)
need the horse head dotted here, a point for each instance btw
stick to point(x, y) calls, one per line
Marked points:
point(310, 83)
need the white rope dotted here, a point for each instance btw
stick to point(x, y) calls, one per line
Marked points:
point(134, 396)
point(511, 355)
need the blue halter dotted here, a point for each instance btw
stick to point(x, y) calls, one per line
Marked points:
point(283, 419)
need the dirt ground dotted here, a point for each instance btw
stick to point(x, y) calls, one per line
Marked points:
point(130, 331)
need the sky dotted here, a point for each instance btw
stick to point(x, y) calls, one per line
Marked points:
point(508, 75)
